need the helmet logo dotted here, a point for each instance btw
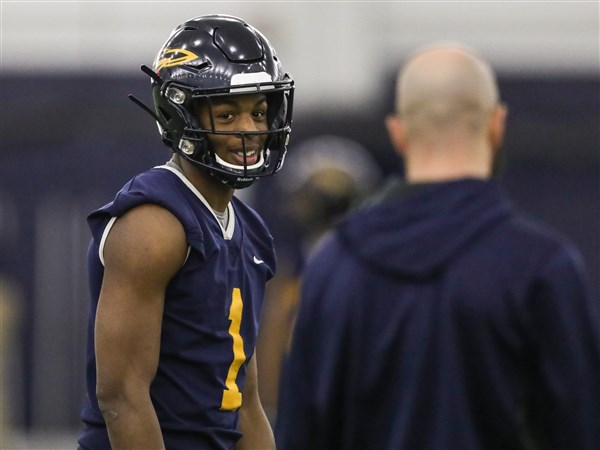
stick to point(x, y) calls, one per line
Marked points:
point(168, 59)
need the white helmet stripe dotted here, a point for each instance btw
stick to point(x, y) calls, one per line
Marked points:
point(250, 78)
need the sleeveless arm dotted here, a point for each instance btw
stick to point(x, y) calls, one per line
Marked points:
point(257, 433)
point(144, 250)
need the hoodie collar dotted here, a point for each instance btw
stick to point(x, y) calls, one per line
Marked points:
point(414, 230)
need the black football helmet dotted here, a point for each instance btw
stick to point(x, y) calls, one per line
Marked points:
point(211, 57)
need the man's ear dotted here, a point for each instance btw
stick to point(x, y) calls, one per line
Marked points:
point(497, 125)
point(396, 132)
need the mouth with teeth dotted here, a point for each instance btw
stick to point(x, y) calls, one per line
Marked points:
point(251, 157)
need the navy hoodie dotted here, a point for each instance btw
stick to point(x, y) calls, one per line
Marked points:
point(439, 318)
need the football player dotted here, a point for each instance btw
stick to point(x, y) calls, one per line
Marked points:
point(177, 264)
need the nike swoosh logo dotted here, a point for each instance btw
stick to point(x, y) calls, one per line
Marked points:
point(256, 260)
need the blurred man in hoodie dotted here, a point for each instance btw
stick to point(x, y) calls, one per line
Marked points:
point(438, 317)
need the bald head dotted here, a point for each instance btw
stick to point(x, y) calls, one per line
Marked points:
point(445, 88)
point(449, 123)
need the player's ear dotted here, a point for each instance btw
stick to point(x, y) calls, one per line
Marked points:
point(497, 125)
point(396, 132)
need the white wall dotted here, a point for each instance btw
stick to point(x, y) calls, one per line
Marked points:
point(335, 50)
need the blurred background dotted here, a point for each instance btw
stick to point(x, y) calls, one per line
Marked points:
point(70, 139)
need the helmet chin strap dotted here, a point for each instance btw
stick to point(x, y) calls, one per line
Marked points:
point(235, 182)
point(256, 165)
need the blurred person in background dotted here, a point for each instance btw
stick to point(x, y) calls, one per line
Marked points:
point(331, 175)
point(438, 316)
point(10, 299)
point(178, 265)
point(11, 311)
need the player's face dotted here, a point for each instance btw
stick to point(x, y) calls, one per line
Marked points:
point(246, 112)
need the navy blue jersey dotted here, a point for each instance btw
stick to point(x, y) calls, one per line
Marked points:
point(441, 319)
point(210, 318)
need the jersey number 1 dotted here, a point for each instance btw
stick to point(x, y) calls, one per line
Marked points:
point(232, 397)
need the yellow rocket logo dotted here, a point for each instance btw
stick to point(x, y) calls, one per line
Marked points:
point(173, 57)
